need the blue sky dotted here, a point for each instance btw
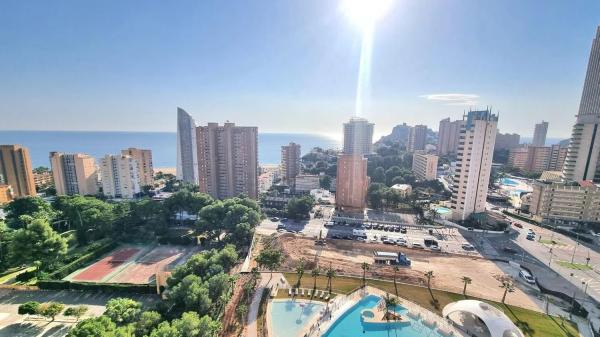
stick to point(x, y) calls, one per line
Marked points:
point(289, 66)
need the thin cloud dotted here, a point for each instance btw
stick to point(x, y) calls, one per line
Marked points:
point(452, 99)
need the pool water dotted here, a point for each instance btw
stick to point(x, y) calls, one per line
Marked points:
point(351, 325)
point(443, 210)
point(509, 182)
point(288, 318)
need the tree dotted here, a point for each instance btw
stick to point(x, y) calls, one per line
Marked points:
point(330, 275)
point(165, 329)
point(507, 284)
point(364, 266)
point(325, 182)
point(192, 294)
point(433, 214)
point(429, 276)
point(100, 326)
point(37, 242)
point(76, 312)
point(51, 309)
point(300, 272)
point(315, 273)
point(466, 280)
point(270, 259)
point(29, 308)
point(191, 325)
point(211, 219)
point(123, 310)
point(34, 207)
point(146, 323)
point(396, 269)
point(379, 175)
point(242, 311)
point(299, 208)
point(390, 302)
point(91, 217)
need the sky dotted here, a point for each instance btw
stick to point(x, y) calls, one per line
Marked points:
point(289, 66)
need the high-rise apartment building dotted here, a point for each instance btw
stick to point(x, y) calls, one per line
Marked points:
point(358, 136)
point(424, 166)
point(583, 152)
point(518, 157)
point(6, 194)
point(120, 176)
point(448, 134)
point(145, 166)
point(351, 182)
point(16, 171)
point(507, 141)
point(290, 163)
point(539, 134)
point(74, 173)
point(558, 202)
point(474, 164)
point(557, 157)
point(227, 160)
point(187, 153)
point(417, 138)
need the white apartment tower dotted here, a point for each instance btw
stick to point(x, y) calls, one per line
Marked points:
point(290, 163)
point(358, 137)
point(120, 176)
point(417, 138)
point(74, 173)
point(144, 161)
point(582, 158)
point(474, 164)
point(187, 154)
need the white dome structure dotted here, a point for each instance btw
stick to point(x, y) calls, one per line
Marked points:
point(496, 322)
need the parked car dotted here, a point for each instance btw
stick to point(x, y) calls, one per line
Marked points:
point(403, 230)
point(435, 248)
point(518, 225)
point(530, 236)
point(510, 250)
point(467, 246)
point(361, 238)
point(274, 219)
point(417, 245)
point(389, 241)
point(525, 275)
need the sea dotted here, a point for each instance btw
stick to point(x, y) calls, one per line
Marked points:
point(163, 144)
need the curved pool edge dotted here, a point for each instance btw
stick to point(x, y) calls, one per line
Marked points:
point(301, 332)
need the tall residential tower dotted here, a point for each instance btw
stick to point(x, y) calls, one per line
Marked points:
point(15, 170)
point(120, 176)
point(417, 138)
point(539, 134)
point(74, 173)
point(582, 158)
point(474, 164)
point(290, 163)
point(144, 162)
point(187, 154)
point(448, 136)
point(358, 136)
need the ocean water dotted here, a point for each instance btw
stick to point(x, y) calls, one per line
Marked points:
point(162, 144)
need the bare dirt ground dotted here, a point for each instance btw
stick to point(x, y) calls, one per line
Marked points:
point(346, 256)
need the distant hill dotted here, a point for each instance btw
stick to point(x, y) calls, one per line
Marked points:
point(400, 135)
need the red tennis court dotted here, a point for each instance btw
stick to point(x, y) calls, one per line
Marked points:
point(143, 270)
point(99, 270)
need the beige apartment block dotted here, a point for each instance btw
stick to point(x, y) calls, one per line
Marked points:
point(352, 182)
point(6, 194)
point(448, 134)
point(566, 203)
point(227, 160)
point(424, 166)
point(417, 138)
point(120, 176)
point(74, 173)
point(143, 158)
point(358, 136)
point(290, 163)
point(16, 171)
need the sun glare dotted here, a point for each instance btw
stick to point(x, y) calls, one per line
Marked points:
point(365, 13)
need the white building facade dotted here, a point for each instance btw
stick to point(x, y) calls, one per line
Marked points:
point(120, 176)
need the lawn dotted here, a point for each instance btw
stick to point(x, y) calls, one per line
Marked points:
point(551, 242)
point(532, 323)
point(577, 266)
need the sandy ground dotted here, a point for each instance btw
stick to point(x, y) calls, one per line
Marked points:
point(346, 257)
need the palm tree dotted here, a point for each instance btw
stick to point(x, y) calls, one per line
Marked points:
point(396, 269)
point(466, 280)
point(507, 285)
point(390, 302)
point(429, 276)
point(365, 267)
point(330, 275)
point(433, 214)
point(300, 272)
point(315, 273)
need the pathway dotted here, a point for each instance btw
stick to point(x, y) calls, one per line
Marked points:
point(264, 282)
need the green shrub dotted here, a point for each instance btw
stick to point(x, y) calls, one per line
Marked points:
point(105, 287)
point(78, 263)
point(26, 276)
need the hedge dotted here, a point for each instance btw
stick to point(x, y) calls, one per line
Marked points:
point(26, 276)
point(78, 263)
point(106, 287)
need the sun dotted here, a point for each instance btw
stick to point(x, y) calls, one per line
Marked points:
point(365, 13)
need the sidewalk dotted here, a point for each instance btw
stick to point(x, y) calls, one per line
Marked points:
point(264, 282)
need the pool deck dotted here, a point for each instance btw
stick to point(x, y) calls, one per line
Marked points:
point(307, 325)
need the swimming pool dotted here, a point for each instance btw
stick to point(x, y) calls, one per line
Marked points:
point(288, 318)
point(509, 182)
point(443, 210)
point(351, 325)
